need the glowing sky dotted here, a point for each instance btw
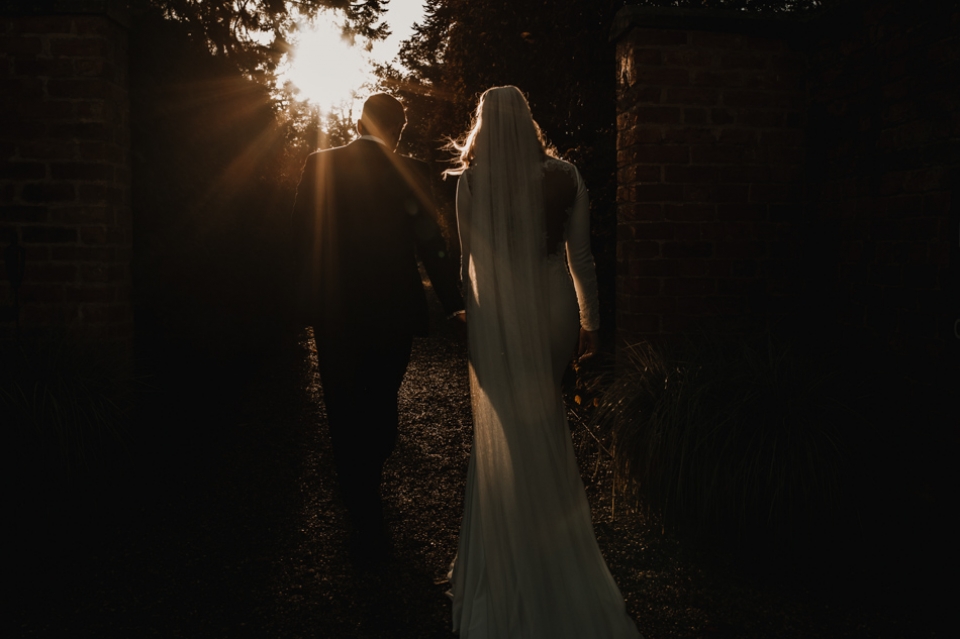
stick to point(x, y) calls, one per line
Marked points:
point(327, 69)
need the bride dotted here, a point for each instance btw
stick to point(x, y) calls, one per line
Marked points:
point(528, 565)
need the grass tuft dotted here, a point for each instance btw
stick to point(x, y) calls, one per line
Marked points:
point(65, 406)
point(734, 440)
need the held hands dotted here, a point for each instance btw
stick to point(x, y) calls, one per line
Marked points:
point(589, 343)
point(459, 322)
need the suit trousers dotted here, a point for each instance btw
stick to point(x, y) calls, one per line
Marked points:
point(361, 378)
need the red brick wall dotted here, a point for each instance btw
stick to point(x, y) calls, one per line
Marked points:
point(710, 155)
point(65, 170)
point(774, 169)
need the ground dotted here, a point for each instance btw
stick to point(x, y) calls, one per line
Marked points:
point(245, 537)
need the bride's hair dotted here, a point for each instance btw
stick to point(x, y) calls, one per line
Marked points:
point(465, 148)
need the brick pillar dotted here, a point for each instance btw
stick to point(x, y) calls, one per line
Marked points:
point(885, 138)
point(710, 150)
point(65, 166)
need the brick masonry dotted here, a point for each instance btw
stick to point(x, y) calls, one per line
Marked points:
point(710, 155)
point(65, 168)
point(776, 168)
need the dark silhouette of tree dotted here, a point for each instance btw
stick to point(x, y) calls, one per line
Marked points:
point(239, 29)
point(217, 157)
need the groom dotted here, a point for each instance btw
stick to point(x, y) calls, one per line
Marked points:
point(362, 216)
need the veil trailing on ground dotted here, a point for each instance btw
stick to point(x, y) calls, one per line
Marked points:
point(529, 555)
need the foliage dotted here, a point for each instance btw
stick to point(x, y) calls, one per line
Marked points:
point(792, 453)
point(65, 405)
point(253, 34)
point(731, 439)
point(252, 37)
point(215, 171)
point(217, 157)
point(463, 48)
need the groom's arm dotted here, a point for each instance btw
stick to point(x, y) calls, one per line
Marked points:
point(435, 255)
point(432, 248)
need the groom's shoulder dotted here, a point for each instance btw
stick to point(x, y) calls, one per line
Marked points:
point(316, 156)
point(324, 157)
point(328, 153)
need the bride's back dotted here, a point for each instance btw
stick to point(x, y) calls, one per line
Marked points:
point(559, 193)
point(559, 188)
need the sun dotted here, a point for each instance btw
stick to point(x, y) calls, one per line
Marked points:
point(326, 68)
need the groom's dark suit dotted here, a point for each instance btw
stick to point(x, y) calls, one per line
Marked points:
point(362, 215)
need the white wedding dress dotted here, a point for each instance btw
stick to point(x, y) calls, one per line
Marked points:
point(528, 565)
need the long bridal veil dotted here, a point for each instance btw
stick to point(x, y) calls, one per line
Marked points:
point(528, 564)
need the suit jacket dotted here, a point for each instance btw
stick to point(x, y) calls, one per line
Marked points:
point(362, 216)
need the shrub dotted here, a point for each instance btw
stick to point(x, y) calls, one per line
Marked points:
point(734, 440)
point(64, 405)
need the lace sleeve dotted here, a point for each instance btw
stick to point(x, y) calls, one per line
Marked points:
point(580, 259)
point(463, 217)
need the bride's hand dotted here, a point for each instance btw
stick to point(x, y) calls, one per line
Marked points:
point(589, 343)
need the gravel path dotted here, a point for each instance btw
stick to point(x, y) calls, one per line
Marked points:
point(246, 539)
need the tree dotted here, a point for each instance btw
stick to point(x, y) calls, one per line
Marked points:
point(250, 37)
point(253, 34)
point(217, 154)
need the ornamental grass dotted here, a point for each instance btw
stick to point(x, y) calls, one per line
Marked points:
point(729, 439)
point(65, 406)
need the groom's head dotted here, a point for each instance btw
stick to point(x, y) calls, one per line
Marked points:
point(383, 117)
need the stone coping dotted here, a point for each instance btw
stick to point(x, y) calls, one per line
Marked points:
point(724, 20)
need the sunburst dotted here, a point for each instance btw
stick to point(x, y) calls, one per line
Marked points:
point(327, 68)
